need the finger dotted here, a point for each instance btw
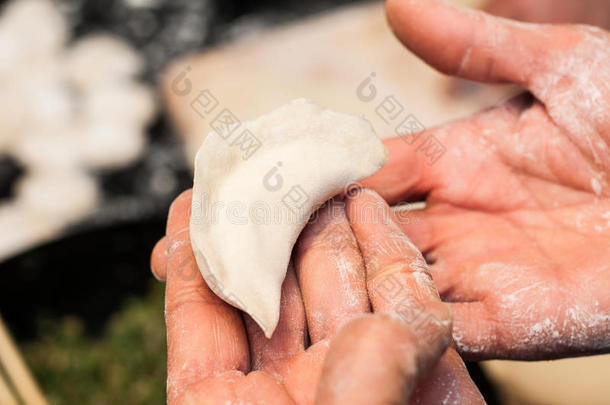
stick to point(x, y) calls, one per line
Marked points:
point(377, 359)
point(418, 164)
point(399, 282)
point(158, 259)
point(459, 280)
point(483, 332)
point(443, 163)
point(406, 173)
point(470, 44)
point(396, 270)
point(330, 272)
point(475, 332)
point(420, 227)
point(288, 339)
point(398, 277)
point(447, 383)
point(204, 334)
point(444, 279)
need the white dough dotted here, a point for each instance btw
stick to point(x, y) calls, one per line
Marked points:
point(32, 32)
point(250, 204)
point(100, 58)
point(58, 194)
point(110, 144)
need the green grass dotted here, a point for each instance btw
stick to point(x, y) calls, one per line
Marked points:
point(126, 365)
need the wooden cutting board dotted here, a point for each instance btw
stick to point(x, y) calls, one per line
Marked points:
point(324, 58)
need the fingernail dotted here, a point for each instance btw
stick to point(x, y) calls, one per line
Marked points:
point(357, 191)
point(366, 205)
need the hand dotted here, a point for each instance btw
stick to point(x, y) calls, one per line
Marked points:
point(217, 354)
point(517, 221)
point(593, 12)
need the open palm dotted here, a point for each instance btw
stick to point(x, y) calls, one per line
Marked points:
point(517, 221)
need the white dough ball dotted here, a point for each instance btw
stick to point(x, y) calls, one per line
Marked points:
point(44, 95)
point(13, 112)
point(11, 51)
point(99, 59)
point(31, 31)
point(50, 105)
point(51, 149)
point(126, 102)
point(26, 229)
point(106, 145)
point(67, 195)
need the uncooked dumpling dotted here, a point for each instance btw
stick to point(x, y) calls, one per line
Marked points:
point(257, 183)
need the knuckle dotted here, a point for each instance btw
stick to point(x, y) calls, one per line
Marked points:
point(398, 266)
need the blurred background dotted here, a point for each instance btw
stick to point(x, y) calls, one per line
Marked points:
point(97, 134)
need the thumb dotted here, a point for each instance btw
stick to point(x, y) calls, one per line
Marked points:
point(378, 359)
point(468, 43)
